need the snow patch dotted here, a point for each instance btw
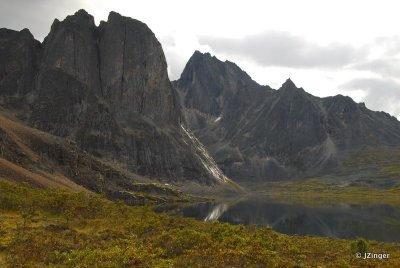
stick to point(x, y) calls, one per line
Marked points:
point(207, 161)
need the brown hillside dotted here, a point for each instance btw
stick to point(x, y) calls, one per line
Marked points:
point(43, 160)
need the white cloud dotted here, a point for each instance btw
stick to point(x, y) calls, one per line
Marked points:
point(380, 94)
point(178, 48)
point(284, 49)
point(36, 15)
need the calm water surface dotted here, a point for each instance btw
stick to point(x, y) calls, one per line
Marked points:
point(376, 222)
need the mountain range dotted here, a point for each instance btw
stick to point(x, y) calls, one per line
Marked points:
point(258, 133)
point(92, 107)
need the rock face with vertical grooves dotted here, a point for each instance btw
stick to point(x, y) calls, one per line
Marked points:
point(68, 77)
point(133, 72)
point(19, 60)
point(106, 88)
point(258, 133)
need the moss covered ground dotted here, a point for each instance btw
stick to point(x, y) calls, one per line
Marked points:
point(57, 228)
point(316, 192)
point(386, 162)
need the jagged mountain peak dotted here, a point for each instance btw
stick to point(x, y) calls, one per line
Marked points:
point(212, 83)
point(26, 32)
point(81, 16)
point(107, 89)
point(207, 65)
point(82, 12)
point(199, 54)
point(269, 134)
point(288, 84)
point(199, 60)
point(19, 53)
point(199, 57)
point(117, 17)
point(4, 33)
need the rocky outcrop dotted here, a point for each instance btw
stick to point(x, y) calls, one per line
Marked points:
point(19, 60)
point(208, 86)
point(107, 88)
point(213, 85)
point(133, 72)
point(68, 75)
point(258, 133)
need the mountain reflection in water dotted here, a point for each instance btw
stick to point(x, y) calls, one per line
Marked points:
point(216, 212)
point(376, 222)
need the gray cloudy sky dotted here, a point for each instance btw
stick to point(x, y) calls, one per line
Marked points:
point(326, 47)
point(286, 50)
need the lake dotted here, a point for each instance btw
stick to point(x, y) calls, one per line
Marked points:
point(375, 222)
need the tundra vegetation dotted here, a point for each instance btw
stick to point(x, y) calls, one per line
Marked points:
point(57, 228)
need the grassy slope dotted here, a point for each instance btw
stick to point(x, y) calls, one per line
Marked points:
point(56, 228)
point(14, 145)
point(14, 173)
point(364, 177)
point(385, 162)
point(316, 192)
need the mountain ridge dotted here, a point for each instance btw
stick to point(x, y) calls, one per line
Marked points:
point(263, 133)
point(106, 88)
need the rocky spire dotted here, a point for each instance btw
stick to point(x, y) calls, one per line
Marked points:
point(108, 89)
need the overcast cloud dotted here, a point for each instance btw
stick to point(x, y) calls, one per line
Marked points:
point(326, 47)
point(379, 93)
point(36, 15)
point(287, 50)
point(387, 67)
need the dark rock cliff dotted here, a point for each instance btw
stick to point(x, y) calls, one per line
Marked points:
point(133, 72)
point(107, 88)
point(19, 62)
point(258, 133)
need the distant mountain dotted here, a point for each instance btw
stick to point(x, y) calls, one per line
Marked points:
point(107, 89)
point(257, 133)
